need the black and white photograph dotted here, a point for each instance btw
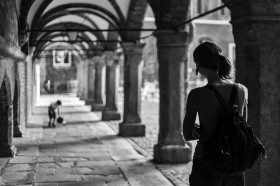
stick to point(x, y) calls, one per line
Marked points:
point(139, 92)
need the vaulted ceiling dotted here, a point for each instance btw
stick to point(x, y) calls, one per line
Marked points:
point(96, 23)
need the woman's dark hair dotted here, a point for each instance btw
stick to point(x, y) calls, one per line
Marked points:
point(209, 55)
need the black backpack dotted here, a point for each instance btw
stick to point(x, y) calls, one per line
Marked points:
point(234, 146)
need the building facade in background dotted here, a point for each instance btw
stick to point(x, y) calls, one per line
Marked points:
point(214, 27)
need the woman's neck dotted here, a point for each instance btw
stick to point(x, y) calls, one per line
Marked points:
point(214, 79)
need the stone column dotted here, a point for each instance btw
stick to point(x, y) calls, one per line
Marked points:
point(110, 111)
point(79, 88)
point(171, 147)
point(131, 125)
point(256, 33)
point(16, 110)
point(84, 77)
point(99, 84)
point(91, 82)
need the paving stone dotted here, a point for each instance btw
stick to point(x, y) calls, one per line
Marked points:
point(83, 171)
point(61, 154)
point(30, 178)
point(87, 183)
point(45, 160)
point(19, 167)
point(96, 156)
point(42, 170)
point(47, 165)
point(125, 157)
point(117, 183)
point(67, 164)
point(15, 177)
point(42, 178)
point(138, 168)
point(66, 171)
point(46, 184)
point(31, 151)
point(100, 169)
point(148, 180)
point(96, 163)
point(3, 163)
point(23, 159)
point(48, 150)
point(107, 179)
point(73, 159)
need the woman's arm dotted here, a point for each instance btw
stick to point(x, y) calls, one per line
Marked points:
point(189, 120)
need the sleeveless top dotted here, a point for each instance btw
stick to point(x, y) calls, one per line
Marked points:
point(203, 102)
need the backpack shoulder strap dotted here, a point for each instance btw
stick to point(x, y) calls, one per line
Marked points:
point(233, 95)
point(221, 99)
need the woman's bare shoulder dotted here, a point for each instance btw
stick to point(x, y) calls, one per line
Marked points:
point(243, 90)
point(242, 87)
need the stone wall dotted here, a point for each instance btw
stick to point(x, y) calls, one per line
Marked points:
point(8, 35)
point(9, 58)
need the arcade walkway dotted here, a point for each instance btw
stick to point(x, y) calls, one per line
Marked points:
point(81, 152)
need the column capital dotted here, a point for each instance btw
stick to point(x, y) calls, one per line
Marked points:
point(91, 61)
point(98, 59)
point(248, 10)
point(129, 47)
point(109, 57)
point(170, 38)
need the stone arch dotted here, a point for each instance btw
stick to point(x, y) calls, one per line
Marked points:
point(6, 128)
point(135, 17)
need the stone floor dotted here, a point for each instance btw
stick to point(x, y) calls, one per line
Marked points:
point(178, 174)
point(82, 151)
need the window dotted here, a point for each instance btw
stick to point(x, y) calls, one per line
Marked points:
point(199, 6)
point(62, 58)
point(203, 6)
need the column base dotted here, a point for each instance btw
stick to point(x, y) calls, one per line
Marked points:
point(110, 115)
point(8, 151)
point(17, 133)
point(97, 107)
point(172, 154)
point(131, 129)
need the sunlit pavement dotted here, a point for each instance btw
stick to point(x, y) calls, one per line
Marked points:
point(82, 151)
point(178, 174)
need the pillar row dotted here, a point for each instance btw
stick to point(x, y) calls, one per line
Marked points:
point(99, 92)
point(171, 147)
point(110, 111)
point(131, 125)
